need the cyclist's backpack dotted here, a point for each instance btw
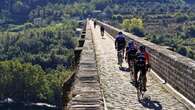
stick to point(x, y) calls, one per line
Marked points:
point(131, 52)
point(141, 59)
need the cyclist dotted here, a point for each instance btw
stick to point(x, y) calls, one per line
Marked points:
point(142, 64)
point(120, 44)
point(102, 31)
point(94, 24)
point(130, 54)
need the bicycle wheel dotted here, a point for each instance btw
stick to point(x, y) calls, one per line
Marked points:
point(141, 88)
point(120, 59)
point(131, 69)
point(140, 91)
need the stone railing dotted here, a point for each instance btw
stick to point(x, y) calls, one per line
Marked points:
point(86, 93)
point(175, 69)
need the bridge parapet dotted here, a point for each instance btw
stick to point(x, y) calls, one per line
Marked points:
point(175, 69)
point(86, 93)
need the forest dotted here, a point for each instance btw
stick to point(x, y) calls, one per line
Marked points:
point(36, 51)
point(37, 38)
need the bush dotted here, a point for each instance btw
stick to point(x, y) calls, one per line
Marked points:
point(134, 25)
point(137, 31)
point(181, 19)
point(191, 31)
point(183, 51)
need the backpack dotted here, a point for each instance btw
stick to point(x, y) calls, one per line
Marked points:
point(131, 52)
point(140, 59)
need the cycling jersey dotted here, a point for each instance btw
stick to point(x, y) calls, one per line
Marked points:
point(131, 52)
point(142, 59)
point(120, 42)
point(146, 57)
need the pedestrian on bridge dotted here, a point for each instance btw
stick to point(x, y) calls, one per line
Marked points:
point(102, 31)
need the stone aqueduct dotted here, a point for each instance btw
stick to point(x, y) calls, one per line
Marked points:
point(86, 93)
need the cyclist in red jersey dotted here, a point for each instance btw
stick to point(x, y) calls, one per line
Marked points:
point(142, 64)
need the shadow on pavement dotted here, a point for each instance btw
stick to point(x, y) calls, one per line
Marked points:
point(154, 105)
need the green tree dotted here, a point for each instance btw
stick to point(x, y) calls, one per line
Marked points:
point(191, 32)
point(183, 51)
point(126, 24)
point(134, 25)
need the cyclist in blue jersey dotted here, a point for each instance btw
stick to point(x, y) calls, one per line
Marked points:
point(130, 57)
point(120, 44)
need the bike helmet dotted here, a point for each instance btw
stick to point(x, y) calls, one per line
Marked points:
point(120, 33)
point(142, 48)
point(130, 43)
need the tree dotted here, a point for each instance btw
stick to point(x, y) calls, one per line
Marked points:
point(134, 25)
point(136, 22)
point(108, 11)
point(180, 18)
point(126, 24)
point(191, 31)
point(183, 51)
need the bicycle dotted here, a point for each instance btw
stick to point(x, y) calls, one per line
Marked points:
point(120, 57)
point(140, 85)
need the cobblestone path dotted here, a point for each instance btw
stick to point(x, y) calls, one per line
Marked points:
point(118, 92)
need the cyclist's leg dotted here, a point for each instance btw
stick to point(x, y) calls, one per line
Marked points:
point(118, 56)
point(144, 78)
point(136, 70)
point(121, 58)
point(123, 50)
point(132, 66)
point(130, 69)
point(129, 64)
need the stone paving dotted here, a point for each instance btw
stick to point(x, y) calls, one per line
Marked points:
point(118, 92)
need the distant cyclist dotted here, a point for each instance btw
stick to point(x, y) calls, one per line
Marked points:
point(120, 44)
point(94, 23)
point(142, 64)
point(102, 31)
point(131, 55)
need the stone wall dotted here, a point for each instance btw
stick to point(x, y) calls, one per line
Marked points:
point(177, 70)
point(86, 93)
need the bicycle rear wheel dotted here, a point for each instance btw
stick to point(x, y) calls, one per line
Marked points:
point(140, 92)
point(132, 70)
point(120, 58)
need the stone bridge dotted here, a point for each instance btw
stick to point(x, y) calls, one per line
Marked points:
point(99, 84)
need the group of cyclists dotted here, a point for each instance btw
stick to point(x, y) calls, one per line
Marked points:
point(137, 59)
